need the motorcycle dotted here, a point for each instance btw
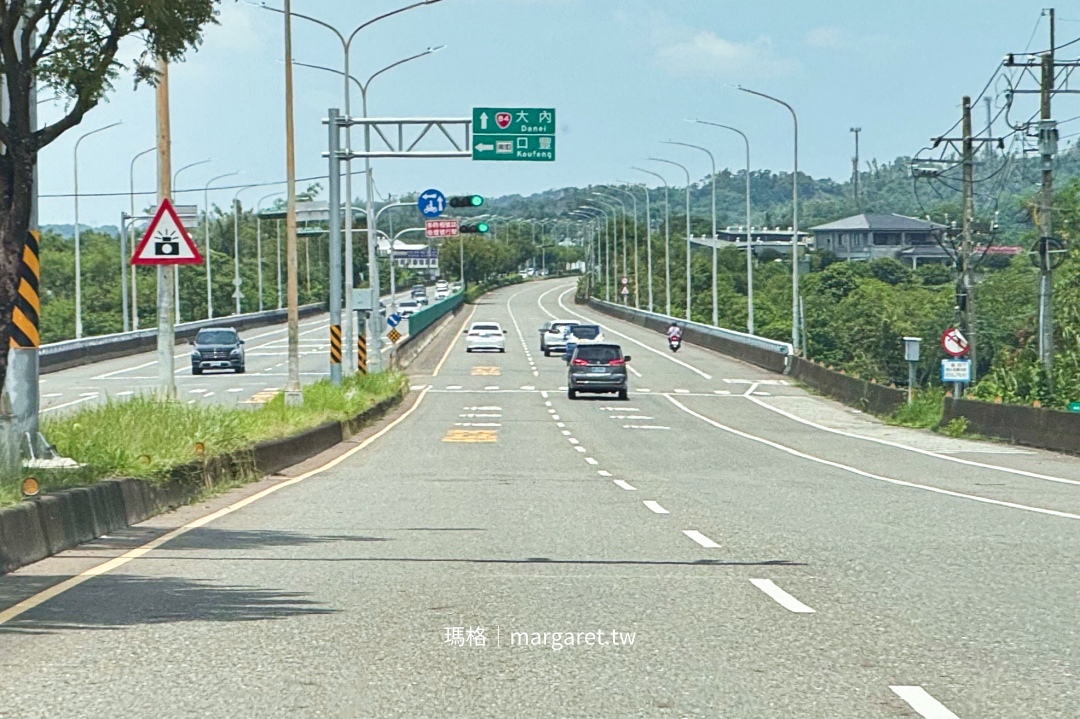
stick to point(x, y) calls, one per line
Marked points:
point(675, 342)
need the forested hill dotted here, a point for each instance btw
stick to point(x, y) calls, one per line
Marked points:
point(1004, 184)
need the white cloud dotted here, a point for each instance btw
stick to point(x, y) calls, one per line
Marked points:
point(706, 53)
point(825, 37)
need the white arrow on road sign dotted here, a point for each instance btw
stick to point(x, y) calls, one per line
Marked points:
point(485, 148)
point(483, 120)
point(166, 242)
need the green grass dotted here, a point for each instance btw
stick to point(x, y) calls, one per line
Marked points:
point(924, 412)
point(144, 438)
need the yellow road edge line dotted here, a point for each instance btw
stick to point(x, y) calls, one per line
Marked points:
point(41, 597)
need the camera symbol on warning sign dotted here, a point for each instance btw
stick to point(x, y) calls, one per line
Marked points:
point(166, 242)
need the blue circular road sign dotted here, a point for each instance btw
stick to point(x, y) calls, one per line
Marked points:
point(394, 320)
point(432, 203)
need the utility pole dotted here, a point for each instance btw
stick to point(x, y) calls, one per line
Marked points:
point(855, 166)
point(166, 275)
point(1047, 149)
point(294, 395)
point(966, 244)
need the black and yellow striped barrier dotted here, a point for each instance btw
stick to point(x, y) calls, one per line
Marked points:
point(335, 344)
point(361, 354)
point(26, 316)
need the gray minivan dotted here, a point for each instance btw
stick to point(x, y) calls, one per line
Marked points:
point(597, 368)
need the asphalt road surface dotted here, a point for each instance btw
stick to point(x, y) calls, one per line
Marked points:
point(723, 544)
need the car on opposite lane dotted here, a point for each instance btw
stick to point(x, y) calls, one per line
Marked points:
point(485, 336)
point(217, 348)
point(408, 307)
point(553, 335)
point(598, 368)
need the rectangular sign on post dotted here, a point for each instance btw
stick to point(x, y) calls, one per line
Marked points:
point(955, 370)
point(513, 134)
point(440, 228)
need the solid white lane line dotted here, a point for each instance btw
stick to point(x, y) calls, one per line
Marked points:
point(66, 404)
point(603, 473)
point(921, 701)
point(41, 597)
point(700, 538)
point(750, 391)
point(453, 343)
point(655, 507)
point(633, 371)
point(590, 460)
point(868, 475)
point(781, 597)
point(909, 448)
point(620, 334)
point(624, 485)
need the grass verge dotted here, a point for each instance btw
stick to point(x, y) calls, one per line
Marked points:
point(145, 439)
point(924, 412)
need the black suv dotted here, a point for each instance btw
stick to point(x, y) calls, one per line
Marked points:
point(597, 368)
point(217, 348)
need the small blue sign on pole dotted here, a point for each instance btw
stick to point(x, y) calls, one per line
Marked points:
point(431, 203)
point(394, 320)
point(956, 370)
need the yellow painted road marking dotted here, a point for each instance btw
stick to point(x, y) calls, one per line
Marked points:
point(41, 597)
point(463, 435)
point(485, 371)
point(260, 397)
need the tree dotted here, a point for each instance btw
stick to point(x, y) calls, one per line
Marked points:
point(71, 47)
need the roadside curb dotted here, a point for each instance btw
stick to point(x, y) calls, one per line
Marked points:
point(39, 528)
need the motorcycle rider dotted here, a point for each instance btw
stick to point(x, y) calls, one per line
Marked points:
point(674, 332)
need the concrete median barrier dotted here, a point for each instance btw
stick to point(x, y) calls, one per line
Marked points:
point(1031, 426)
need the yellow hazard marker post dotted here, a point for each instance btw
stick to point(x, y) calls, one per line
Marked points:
point(361, 354)
point(335, 344)
point(393, 335)
point(26, 316)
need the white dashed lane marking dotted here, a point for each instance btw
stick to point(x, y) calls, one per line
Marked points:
point(624, 485)
point(781, 597)
point(700, 538)
point(655, 507)
point(921, 701)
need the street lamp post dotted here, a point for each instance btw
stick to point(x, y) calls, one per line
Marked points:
point(258, 242)
point(611, 238)
point(749, 247)
point(206, 237)
point(712, 160)
point(637, 290)
point(689, 294)
point(176, 268)
point(375, 331)
point(667, 240)
point(648, 246)
point(131, 230)
point(794, 220)
point(237, 295)
point(78, 245)
point(622, 206)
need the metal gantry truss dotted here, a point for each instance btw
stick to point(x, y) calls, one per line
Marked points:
point(400, 136)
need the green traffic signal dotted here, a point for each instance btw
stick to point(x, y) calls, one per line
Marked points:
point(466, 201)
point(479, 227)
point(483, 226)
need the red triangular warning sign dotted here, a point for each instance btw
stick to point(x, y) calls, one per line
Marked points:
point(166, 242)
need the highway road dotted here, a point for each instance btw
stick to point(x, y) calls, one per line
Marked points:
point(723, 544)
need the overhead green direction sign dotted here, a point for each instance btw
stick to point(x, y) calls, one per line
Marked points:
point(509, 133)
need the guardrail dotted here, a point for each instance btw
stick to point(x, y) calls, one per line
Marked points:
point(770, 354)
point(422, 319)
point(58, 356)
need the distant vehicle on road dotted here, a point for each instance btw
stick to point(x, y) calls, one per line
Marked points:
point(455, 287)
point(553, 335)
point(485, 336)
point(442, 285)
point(441, 294)
point(597, 368)
point(581, 335)
point(419, 293)
point(217, 348)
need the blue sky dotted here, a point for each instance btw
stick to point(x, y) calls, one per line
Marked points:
point(622, 75)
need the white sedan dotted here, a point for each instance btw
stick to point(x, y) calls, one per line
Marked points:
point(485, 336)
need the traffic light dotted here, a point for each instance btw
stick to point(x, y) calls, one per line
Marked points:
point(466, 201)
point(478, 228)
